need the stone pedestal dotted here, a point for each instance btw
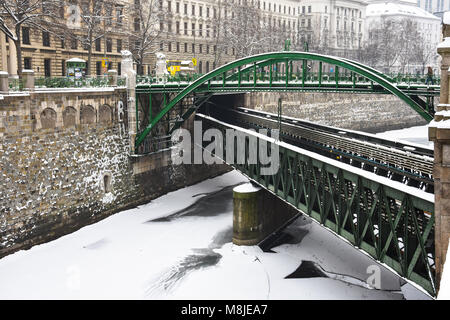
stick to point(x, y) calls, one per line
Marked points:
point(112, 78)
point(130, 74)
point(247, 215)
point(4, 86)
point(28, 79)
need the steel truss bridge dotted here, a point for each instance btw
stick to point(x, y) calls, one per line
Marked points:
point(376, 194)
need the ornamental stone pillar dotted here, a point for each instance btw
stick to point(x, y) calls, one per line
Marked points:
point(130, 74)
point(439, 133)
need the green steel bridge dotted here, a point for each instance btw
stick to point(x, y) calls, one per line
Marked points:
point(377, 195)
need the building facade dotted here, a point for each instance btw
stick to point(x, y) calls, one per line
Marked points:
point(437, 7)
point(424, 26)
point(46, 52)
point(333, 26)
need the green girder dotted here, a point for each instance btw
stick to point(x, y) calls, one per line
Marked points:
point(285, 56)
point(394, 226)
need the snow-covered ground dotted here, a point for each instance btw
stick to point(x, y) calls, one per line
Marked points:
point(178, 246)
point(417, 135)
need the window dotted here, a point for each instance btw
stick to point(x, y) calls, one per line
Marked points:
point(177, 26)
point(169, 46)
point(27, 63)
point(47, 71)
point(309, 9)
point(137, 24)
point(63, 67)
point(178, 47)
point(193, 9)
point(185, 47)
point(200, 48)
point(119, 16)
point(193, 48)
point(177, 7)
point(169, 6)
point(185, 8)
point(108, 44)
point(185, 28)
point(161, 46)
point(46, 39)
point(193, 29)
point(119, 45)
point(98, 67)
point(200, 30)
point(207, 12)
point(200, 11)
point(98, 45)
point(25, 35)
point(119, 68)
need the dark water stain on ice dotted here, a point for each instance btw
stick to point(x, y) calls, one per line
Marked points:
point(307, 269)
point(210, 205)
point(200, 259)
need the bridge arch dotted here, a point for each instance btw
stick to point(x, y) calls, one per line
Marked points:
point(287, 56)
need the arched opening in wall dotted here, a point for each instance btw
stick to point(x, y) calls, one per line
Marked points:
point(48, 118)
point(69, 116)
point(105, 114)
point(87, 115)
point(107, 185)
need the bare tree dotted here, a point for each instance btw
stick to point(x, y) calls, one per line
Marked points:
point(88, 23)
point(38, 14)
point(147, 29)
point(242, 29)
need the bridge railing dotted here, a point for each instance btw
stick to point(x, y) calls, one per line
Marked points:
point(84, 82)
point(265, 76)
point(391, 222)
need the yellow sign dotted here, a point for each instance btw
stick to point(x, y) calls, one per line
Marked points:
point(194, 61)
point(173, 69)
point(104, 62)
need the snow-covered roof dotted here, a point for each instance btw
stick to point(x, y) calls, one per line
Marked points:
point(398, 9)
point(75, 60)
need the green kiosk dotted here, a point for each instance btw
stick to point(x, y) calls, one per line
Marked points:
point(76, 68)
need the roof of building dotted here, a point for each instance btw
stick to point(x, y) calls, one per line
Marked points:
point(398, 8)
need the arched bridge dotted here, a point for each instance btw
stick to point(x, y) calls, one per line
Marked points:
point(377, 194)
point(284, 71)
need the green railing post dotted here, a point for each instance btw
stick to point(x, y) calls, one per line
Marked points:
point(336, 76)
point(320, 73)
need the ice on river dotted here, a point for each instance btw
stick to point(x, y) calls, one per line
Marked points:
point(178, 246)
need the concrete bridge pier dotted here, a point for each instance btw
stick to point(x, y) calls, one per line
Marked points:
point(257, 213)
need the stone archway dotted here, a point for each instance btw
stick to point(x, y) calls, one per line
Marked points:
point(48, 118)
point(69, 116)
point(87, 115)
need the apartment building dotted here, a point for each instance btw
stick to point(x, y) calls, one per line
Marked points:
point(46, 52)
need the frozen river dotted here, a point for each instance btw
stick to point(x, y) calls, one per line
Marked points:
point(179, 246)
